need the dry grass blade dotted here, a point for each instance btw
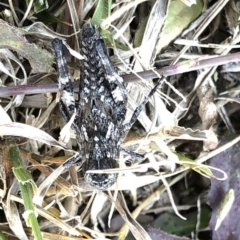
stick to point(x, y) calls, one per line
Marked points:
point(13, 216)
point(136, 229)
point(151, 34)
point(23, 130)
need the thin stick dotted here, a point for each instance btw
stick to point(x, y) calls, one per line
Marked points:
point(186, 66)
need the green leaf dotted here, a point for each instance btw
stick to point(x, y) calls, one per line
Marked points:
point(22, 175)
point(2, 236)
point(102, 12)
point(197, 167)
point(179, 16)
point(13, 38)
point(25, 179)
point(139, 33)
point(32, 221)
point(48, 17)
point(110, 41)
point(27, 197)
point(39, 5)
point(171, 223)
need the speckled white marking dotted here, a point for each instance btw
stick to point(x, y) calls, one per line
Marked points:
point(117, 94)
point(86, 81)
point(67, 98)
point(85, 132)
point(63, 80)
point(110, 129)
point(86, 65)
point(86, 90)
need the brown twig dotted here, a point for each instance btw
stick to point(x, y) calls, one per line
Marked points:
point(185, 66)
